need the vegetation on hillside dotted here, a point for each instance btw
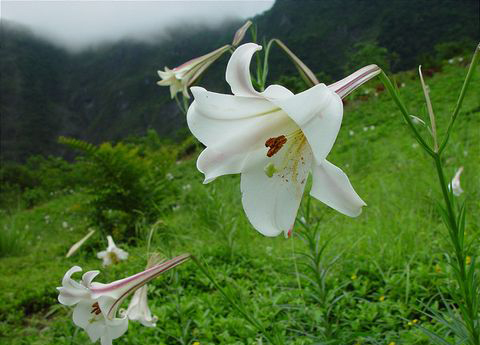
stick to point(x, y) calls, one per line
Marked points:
point(368, 281)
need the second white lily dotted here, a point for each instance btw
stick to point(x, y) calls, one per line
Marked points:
point(96, 304)
point(274, 139)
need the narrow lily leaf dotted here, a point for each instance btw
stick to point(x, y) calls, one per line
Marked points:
point(77, 245)
point(426, 93)
point(240, 34)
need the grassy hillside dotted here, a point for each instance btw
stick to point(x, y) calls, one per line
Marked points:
point(386, 264)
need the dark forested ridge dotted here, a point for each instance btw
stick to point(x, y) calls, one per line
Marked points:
point(110, 92)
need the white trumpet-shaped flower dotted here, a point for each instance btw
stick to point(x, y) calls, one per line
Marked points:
point(138, 309)
point(455, 183)
point(113, 254)
point(274, 139)
point(96, 304)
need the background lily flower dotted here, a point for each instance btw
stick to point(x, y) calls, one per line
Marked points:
point(455, 183)
point(274, 139)
point(138, 309)
point(113, 254)
point(181, 77)
point(96, 304)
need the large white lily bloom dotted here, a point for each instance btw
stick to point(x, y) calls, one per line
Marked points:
point(455, 183)
point(274, 139)
point(113, 254)
point(96, 304)
point(181, 77)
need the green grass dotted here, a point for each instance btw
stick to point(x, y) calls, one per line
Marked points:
point(388, 261)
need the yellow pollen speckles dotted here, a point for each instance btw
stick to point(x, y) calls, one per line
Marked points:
point(275, 144)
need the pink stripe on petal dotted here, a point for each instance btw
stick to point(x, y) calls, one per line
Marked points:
point(142, 277)
point(345, 86)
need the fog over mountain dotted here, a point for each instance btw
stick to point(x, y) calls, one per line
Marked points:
point(110, 92)
point(80, 24)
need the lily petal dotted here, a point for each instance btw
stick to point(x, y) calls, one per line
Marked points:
point(229, 156)
point(213, 116)
point(345, 86)
point(71, 292)
point(318, 111)
point(332, 187)
point(238, 70)
point(271, 203)
point(82, 315)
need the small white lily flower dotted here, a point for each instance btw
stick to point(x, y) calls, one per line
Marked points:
point(181, 77)
point(113, 254)
point(455, 183)
point(274, 139)
point(138, 309)
point(96, 304)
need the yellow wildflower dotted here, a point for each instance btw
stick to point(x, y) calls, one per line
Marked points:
point(381, 298)
point(468, 260)
point(354, 276)
point(438, 269)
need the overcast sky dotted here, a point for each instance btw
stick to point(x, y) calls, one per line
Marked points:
point(78, 24)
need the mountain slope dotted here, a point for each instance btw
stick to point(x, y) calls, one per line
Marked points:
point(110, 92)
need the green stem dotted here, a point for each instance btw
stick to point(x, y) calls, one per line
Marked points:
point(463, 279)
point(396, 98)
point(468, 78)
point(255, 323)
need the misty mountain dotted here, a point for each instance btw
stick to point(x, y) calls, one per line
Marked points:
point(109, 93)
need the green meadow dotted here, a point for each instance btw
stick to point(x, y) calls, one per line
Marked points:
point(337, 280)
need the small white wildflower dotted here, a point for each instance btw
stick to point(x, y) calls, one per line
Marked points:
point(187, 187)
point(351, 133)
point(64, 224)
point(169, 176)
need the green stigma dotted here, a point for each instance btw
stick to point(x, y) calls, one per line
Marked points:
point(270, 169)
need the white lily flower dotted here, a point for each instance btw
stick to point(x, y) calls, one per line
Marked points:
point(274, 139)
point(96, 304)
point(113, 254)
point(455, 183)
point(181, 77)
point(138, 309)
